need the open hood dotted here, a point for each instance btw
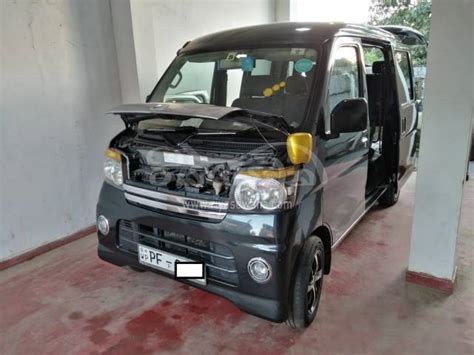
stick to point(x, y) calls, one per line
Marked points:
point(175, 109)
point(131, 113)
point(406, 35)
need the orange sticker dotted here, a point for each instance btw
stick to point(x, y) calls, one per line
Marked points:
point(282, 84)
point(276, 87)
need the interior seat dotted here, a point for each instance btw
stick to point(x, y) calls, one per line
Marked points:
point(375, 95)
point(295, 98)
point(252, 98)
point(375, 86)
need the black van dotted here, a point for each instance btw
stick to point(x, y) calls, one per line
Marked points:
point(256, 153)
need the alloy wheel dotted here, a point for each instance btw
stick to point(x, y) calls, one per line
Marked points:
point(314, 283)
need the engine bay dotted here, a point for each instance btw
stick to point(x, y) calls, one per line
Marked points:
point(200, 168)
point(212, 180)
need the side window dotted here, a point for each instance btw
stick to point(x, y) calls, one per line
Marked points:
point(344, 80)
point(372, 55)
point(403, 61)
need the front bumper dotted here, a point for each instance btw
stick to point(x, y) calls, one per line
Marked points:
point(246, 236)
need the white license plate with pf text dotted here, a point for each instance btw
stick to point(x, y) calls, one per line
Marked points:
point(164, 261)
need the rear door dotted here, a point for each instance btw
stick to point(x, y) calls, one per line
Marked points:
point(345, 157)
point(408, 112)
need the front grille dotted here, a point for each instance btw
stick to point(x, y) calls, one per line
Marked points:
point(219, 260)
point(174, 203)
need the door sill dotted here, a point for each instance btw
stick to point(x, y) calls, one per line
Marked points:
point(369, 203)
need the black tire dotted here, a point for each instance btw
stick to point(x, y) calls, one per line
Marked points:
point(390, 196)
point(304, 301)
point(136, 269)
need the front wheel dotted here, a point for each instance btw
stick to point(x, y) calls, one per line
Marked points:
point(307, 284)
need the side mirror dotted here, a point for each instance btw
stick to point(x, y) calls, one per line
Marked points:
point(299, 147)
point(349, 116)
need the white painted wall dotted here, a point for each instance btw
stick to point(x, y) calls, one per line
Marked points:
point(63, 63)
point(161, 27)
point(125, 47)
point(444, 146)
point(59, 75)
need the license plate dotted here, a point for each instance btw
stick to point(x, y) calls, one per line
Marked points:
point(163, 261)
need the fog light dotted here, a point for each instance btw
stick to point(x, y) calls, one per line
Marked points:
point(103, 225)
point(260, 270)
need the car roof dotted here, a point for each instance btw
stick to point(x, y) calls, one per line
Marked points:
point(283, 33)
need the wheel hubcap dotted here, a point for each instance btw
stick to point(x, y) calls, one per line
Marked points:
point(314, 283)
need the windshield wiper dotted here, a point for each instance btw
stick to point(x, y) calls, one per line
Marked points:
point(189, 131)
point(185, 129)
point(210, 133)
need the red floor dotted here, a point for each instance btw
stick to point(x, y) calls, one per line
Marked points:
point(68, 301)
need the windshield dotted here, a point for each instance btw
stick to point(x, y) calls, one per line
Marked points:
point(275, 81)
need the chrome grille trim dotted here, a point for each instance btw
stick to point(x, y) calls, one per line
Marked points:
point(176, 204)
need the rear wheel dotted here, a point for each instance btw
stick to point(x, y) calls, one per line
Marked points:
point(390, 196)
point(307, 284)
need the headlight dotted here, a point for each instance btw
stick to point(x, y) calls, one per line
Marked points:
point(246, 194)
point(251, 192)
point(272, 194)
point(113, 167)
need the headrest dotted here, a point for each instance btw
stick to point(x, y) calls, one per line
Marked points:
point(378, 67)
point(296, 85)
point(254, 85)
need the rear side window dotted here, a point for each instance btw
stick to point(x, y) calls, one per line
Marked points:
point(372, 55)
point(344, 81)
point(403, 61)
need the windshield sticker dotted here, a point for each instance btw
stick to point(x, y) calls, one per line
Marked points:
point(247, 64)
point(268, 92)
point(276, 87)
point(303, 65)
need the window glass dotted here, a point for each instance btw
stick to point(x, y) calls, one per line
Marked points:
point(371, 55)
point(192, 84)
point(404, 65)
point(275, 81)
point(344, 78)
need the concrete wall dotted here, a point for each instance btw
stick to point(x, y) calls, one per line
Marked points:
point(444, 147)
point(63, 63)
point(125, 46)
point(161, 27)
point(59, 74)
